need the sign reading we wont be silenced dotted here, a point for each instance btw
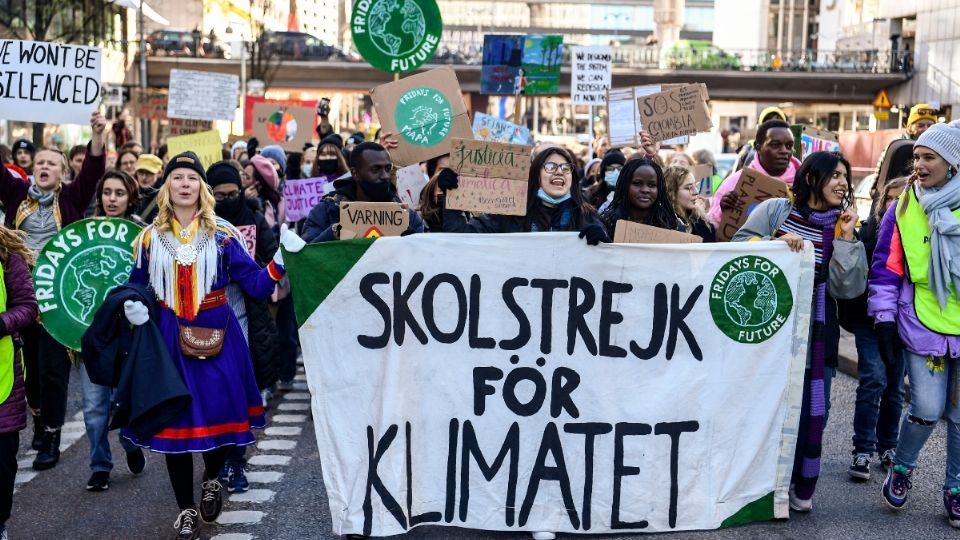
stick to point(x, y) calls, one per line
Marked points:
point(48, 82)
point(493, 177)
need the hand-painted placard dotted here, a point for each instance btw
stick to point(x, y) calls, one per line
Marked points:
point(373, 219)
point(300, 196)
point(289, 126)
point(202, 95)
point(675, 112)
point(396, 36)
point(542, 58)
point(753, 188)
point(205, 144)
point(410, 182)
point(493, 129)
point(502, 61)
point(249, 233)
point(493, 177)
point(591, 74)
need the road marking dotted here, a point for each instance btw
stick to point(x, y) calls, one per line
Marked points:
point(240, 517)
point(293, 407)
point(289, 418)
point(70, 433)
point(232, 536)
point(300, 377)
point(269, 460)
point(254, 496)
point(24, 476)
point(297, 396)
point(277, 444)
point(300, 386)
point(25, 464)
point(264, 477)
point(283, 431)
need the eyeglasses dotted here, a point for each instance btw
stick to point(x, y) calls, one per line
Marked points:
point(551, 167)
point(220, 196)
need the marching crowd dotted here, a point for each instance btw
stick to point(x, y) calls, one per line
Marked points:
point(207, 310)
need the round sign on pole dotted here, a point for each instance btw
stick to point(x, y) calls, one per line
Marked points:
point(396, 36)
point(77, 269)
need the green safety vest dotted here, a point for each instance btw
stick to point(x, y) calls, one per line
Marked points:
point(915, 237)
point(6, 349)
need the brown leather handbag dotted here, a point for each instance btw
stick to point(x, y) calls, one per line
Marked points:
point(200, 342)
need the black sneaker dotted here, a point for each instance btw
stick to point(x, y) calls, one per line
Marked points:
point(211, 500)
point(49, 453)
point(187, 525)
point(99, 481)
point(37, 442)
point(860, 470)
point(136, 461)
point(887, 457)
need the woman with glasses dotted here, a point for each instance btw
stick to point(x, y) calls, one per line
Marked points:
point(820, 213)
point(683, 192)
point(641, 197)
point(552, 202)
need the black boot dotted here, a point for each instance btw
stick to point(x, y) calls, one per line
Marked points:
point(37, 442)
point(49, 453)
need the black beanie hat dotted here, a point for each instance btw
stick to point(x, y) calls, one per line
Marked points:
point(223, 172)
point(24, 144)
point(333, 139)
point(612, 157)
point(185, 160)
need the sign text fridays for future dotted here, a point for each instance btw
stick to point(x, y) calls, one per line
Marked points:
point(48, 82)
point(531, 382)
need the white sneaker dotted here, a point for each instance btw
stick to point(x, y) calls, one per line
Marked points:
point(799, 505)
point(543, 535)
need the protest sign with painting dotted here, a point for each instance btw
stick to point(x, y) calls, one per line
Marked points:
point(493, 177)
point(591, 74)
point(542, 58)
point(149, 104)
point(396, 37)
point(372, 219)
point(811, 139)
point(502, 60)
point(250, 102)
point(493, 129)
point(530, 382)
point(202, 95)
point(289, 126)
point(628, 232)
point(206, 145)
point(48, 82)
point(410, 182)
point(300, 196)
point(753, 188)
point(425, 111)
point(675, 112)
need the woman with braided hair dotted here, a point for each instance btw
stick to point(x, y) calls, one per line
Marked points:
point(641, 197)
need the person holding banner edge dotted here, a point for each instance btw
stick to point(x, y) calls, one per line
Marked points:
point(822, 213)
point(641, 197)
point(40, 209)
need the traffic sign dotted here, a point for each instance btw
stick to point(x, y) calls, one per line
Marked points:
point(882, 101)
point(396, 37)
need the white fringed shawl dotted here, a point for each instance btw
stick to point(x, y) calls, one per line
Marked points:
point(162, 267)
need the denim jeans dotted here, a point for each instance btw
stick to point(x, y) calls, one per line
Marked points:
point(96, 415)
point(934, 389)
point(876, 418)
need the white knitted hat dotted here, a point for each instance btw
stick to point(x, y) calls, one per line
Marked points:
point(944, 139)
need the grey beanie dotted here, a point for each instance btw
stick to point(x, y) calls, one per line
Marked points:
point(944, 139)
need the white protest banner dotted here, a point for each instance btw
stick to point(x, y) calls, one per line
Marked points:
point(592, 72)
point(410, 182)
point(202, 95)
point(530, 382)
point(48, 82)
point(300, 196)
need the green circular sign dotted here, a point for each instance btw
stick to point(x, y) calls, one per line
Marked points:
point(750, 299)
point(76, 270)
point(423, 115)
point(396, 35)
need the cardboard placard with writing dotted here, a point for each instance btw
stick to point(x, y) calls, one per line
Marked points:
point(149, 103)
point(206, 145)
point(289, 126)
point(373, 219)
point(753, 188)
point(424, 111)
point(300, 196)
point(493, 177)
point(628, 232)
point(675, 112)
point(410, 182)
point(202, 95)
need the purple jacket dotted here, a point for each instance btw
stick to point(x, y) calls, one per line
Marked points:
point(21, 312)
point(891, 295)
point(73, 199)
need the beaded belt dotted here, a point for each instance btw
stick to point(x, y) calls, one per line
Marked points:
point(216, 298)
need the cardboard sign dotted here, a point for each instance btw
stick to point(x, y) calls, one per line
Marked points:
point(623, 115)
point(373, 219)
point(703, 174)
point(249, 233)
point(675, 112)
point(300, 196)
point(410, 182)
point(151, 104)
point(753, 188)
point(592, 72)
point(290, 127)
point(493, 129)
point(48, 82)
point(502, 60)
point(206, 145)
point(628, 232)
point(809, 139)
point(250, 102)
point(179, 126)
point(201, 95)
point(425, 111)
point(493, 177)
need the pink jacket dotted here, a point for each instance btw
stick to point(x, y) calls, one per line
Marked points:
point(731, 182)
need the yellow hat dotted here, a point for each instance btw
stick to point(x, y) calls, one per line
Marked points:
point(150, 163)
point(922, 111)
point(771, 110)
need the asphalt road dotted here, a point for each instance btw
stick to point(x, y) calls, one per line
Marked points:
point(288, 500)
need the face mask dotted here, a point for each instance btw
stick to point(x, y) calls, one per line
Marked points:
point(307, 169)
point(542, 195)
point(610, 177)
point(327, 166)
point(230, 207)
point(379, 191)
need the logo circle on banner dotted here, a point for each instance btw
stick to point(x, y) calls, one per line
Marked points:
point(396, 36)
point(424, 117)
point(750, 299)
point(76, 270)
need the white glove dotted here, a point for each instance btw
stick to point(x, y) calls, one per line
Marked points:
point(136, 312)
point(290, 241)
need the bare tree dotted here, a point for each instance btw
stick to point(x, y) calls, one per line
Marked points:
point(262, 54)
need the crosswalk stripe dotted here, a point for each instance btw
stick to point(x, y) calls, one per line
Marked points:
point(297, 395)
point(300, 377)
point(269, 460)
point(237, 517)
point(277, 444)
point(289, 418)
point(232, 536)
point(254, 496)
point(283, 431)
point(264, 477)
point(293, 407)
point(24, 476)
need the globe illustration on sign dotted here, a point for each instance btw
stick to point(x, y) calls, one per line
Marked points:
point(91, 275)
point(750, 299)
point(397, 27)
point(281, 126)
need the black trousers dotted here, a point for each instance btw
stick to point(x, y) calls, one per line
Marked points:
point(47, 376)
point(288, 339)
point(9, 443)
point(180, 470)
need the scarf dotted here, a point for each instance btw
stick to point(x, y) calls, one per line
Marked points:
point(937, 203)
point(560, 217)
point(42, 198)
